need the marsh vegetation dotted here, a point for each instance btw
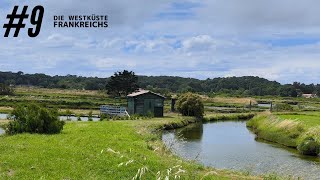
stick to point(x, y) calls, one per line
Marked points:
point(90, 146)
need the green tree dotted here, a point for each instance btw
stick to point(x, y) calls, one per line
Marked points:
point(190, 105)
point(34, 119)
point(122, 83)
point(288, 91)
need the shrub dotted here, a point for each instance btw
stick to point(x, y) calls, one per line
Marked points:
point(190, 105)
point(34, 119)
point(90, 116)
point(150, 115)
point(283, 107)
point(6, 90)
point(309, 146)
point(68, 114)
point(135, 117)
point(105, 117)
point(225, 117)
point(79, 118)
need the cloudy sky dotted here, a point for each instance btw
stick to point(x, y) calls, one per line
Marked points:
point(275, 39)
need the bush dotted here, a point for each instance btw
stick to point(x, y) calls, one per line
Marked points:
point(135, 117)
point(282, 107)
point(90, 116)
point(309, 146)
point(6, 90)
point(34, 119)
point(190, 105)
point(226, 117)
point(68, 114)
point(150, 115)
point(105, 117)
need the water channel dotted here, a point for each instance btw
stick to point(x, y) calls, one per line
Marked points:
point(230, 145)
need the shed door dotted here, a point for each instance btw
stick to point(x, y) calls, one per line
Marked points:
point(139, 106)
point(158, 111)
point(148, 106)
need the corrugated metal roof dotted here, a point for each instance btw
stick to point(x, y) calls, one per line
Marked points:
point(140, 92)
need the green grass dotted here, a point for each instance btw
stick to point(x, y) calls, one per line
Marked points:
point(223, 117)
point(271, 128)
point(289, 129)
point(83, 151)
point(309, 119)
point(74, 100)
point(58, 98)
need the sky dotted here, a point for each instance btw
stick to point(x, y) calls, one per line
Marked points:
point(274, 39)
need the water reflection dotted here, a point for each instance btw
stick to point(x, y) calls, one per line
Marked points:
point(230, 145)
point(192, 132)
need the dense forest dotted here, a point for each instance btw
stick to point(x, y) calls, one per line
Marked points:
point(236, 86)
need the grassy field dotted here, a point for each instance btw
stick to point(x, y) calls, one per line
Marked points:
point(57, 98)
point(230, 100)
point(289, 129)
point(300, 104)
point(81, 102)
point(310, 119)
point(274, 129)
point(100, 150)
point(118, 149)
point(91, 100)
point(224, 117)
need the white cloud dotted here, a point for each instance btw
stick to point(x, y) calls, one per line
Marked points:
point(220, 39)
point(104, 63)
point(253, 15)
point(198, 43)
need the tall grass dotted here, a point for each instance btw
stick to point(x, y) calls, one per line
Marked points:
point(288, 132)
point(224, 117)
point(274, 129)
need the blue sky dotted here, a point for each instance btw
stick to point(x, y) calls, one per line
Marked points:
point(274, 39)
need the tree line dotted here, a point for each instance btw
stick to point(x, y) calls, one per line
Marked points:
point(236, 86)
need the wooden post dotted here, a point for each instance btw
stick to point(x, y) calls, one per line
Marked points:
point(271, 106)
point(173, 102)
point(250, 106)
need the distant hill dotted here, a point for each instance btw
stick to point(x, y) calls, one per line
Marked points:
point(247, 85)
point(240, 86)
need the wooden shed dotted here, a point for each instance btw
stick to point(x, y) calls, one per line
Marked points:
point(144, 102)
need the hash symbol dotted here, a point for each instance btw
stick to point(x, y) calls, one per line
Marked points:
point(18, 25)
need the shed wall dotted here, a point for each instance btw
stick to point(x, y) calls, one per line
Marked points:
point(146, 103)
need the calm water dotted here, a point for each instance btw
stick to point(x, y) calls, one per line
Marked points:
point(73, 118)
point(2, 131)
point(230, 145)
point(264, 105)
point(3, 116)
